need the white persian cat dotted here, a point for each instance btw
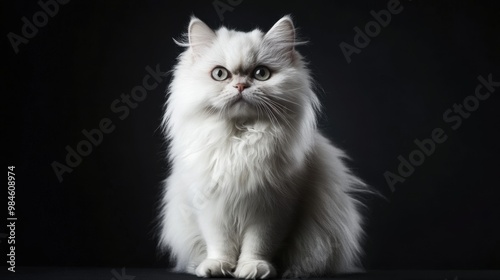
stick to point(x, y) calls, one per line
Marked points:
point(255, 190)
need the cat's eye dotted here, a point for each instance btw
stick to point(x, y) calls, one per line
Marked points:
point(220, 73)
point(262, 73)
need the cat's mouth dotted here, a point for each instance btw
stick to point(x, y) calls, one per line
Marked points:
point(241, 106)
point(239, 99)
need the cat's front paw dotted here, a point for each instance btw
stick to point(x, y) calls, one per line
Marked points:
point(255, 269)
point(214, 268)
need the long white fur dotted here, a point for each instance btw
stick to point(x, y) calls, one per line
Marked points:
point(254, 189)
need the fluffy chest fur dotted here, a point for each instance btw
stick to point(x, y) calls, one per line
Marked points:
point(238, 157)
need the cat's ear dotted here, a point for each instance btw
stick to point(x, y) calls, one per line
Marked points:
point(200, 36)
point(281, 36)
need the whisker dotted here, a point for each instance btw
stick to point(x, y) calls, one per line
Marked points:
point(284, 99)
point(276, 111)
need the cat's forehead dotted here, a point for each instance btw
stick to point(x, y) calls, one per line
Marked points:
point(239, 50)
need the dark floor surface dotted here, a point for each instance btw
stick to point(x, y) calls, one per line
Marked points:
point(107, 273)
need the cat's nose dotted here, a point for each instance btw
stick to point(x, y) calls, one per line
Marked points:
point(241, 86)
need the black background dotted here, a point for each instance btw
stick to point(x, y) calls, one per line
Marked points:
point(444, 216)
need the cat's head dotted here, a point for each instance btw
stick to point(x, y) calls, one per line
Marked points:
point(243, 75)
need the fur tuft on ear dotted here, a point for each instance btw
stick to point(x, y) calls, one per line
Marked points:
point(200, 36)
point(281, 36)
